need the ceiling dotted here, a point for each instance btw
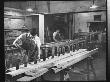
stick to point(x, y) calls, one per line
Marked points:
point(42, 6)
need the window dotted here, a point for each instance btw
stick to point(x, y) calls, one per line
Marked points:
point(97, 17)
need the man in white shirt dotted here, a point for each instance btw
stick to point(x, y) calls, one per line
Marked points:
point(56, 36)
point(29, 42)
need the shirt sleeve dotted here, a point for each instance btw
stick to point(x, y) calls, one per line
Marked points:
point(37, 40)
point(18, 40)
point(54, 34)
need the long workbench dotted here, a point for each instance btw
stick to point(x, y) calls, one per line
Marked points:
point(32, 71)
point(57, 56)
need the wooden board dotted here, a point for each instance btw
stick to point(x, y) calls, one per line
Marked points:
point(74, 60)
point(43, 64)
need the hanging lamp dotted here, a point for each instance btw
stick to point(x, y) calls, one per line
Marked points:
point(93, 5)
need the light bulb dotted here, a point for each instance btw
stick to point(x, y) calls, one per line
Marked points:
point(30, 10)
point(94, 6)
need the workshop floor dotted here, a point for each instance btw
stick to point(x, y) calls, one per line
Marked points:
point(99, 65)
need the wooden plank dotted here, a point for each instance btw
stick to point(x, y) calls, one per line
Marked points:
point(37, 73)
point(31, 67)
point(77, 59)
point(25, 79)
point(73, 56)
point(33, 76)
point(74, 60)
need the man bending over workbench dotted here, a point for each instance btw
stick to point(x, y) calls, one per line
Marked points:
point(31, 43)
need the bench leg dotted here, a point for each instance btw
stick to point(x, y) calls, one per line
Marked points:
point(62, 75)
point(90, 68)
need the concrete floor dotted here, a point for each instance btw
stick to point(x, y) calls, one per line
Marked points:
point(99, 63)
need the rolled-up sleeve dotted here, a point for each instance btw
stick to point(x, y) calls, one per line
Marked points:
point(18, 40)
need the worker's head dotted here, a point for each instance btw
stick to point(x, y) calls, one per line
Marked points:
point(57, 30)
point(24, 30)
point(33, 31)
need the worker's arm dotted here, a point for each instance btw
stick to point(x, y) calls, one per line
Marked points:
point(61, 36)
point(55, 39)
point(18, 41)
point(54, 35)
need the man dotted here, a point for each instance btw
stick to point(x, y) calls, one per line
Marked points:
point(29, 42)
point(56, 36)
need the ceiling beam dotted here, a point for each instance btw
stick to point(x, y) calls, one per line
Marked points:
point(81, 0)
point(103, 10)
point(12, 9)
point(24, 12)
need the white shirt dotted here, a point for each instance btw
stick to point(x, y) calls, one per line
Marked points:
point(54, 34)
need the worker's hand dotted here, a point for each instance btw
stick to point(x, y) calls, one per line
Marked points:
point(38, 57)
point(18, 46)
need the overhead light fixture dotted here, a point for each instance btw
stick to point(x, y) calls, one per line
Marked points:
point(93, 6)
point(30, 9)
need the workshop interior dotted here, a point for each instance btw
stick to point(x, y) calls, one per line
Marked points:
point(68, 40)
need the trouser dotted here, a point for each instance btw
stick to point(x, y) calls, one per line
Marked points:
point(26, 58)
point(29, 57)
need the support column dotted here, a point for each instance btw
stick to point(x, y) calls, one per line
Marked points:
point(70, 19)
point(41, 28)
point(73, 26)
point(108, 30)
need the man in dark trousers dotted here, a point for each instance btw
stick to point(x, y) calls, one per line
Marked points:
point(29, 42)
